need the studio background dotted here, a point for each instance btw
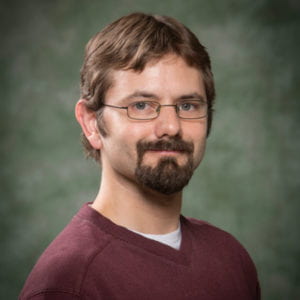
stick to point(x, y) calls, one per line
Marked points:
point(248, 183)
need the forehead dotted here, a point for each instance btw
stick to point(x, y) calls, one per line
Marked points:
point(169, 77)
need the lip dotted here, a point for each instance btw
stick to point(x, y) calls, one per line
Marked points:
point(166, 152)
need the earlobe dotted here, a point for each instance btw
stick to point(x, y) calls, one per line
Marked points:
point(88, 122)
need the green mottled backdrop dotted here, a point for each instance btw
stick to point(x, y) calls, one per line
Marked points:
point(249, 181)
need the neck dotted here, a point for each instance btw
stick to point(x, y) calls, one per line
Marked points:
point(137, 208)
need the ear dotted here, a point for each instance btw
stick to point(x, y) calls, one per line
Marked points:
point(88, 122)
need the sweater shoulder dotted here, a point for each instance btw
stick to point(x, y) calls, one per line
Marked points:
point(200, 226)
point(63, 265)
point(215, 236)
point(224, 248)
point(220, 242)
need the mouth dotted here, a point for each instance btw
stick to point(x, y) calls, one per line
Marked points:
point(165, 152)
point(175, 149)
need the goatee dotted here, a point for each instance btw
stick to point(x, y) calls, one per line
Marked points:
point(167, 177)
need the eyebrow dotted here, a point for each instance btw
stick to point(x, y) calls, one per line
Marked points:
point(140, 94)
point(192, 96)
point(144, 94)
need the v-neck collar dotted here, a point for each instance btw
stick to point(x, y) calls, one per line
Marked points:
point(181, 256)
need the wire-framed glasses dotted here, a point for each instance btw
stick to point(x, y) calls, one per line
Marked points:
point(148, 110)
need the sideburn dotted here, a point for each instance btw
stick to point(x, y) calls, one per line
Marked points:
point(100, 123)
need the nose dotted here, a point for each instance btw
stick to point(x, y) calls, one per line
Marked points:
point(167, 123)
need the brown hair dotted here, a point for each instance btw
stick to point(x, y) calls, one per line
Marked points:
point(130, 43)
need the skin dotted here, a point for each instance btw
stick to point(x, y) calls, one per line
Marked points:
point(121, 198)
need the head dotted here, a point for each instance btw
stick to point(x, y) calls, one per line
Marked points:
point(131, 43)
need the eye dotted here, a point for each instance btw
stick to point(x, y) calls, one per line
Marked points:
point(140, 105)
point(143, 110)
point(188, 105)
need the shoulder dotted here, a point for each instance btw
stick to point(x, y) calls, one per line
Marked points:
point(209, 232)
point(223, 252)
point(63, 265)
point(217, 241)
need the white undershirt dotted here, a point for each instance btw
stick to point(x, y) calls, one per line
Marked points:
point(172, 239)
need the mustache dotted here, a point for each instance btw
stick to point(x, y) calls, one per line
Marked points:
point(172, 144)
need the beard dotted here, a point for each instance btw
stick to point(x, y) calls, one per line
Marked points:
point(167, 177)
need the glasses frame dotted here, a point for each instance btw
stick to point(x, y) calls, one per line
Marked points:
point(159, 106)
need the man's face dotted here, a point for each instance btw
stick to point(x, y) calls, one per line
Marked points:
point(160, 154)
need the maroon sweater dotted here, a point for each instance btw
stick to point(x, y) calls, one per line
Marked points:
point(93, 258)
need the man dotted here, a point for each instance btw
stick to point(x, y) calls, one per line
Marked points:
point(146, 109)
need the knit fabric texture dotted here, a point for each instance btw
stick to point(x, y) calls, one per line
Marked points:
point(93, 258)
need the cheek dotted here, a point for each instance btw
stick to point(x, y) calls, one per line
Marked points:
point(199, 151)
point(199, 138)
point(135, 131)
point(117, 123)
point(126, 136)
